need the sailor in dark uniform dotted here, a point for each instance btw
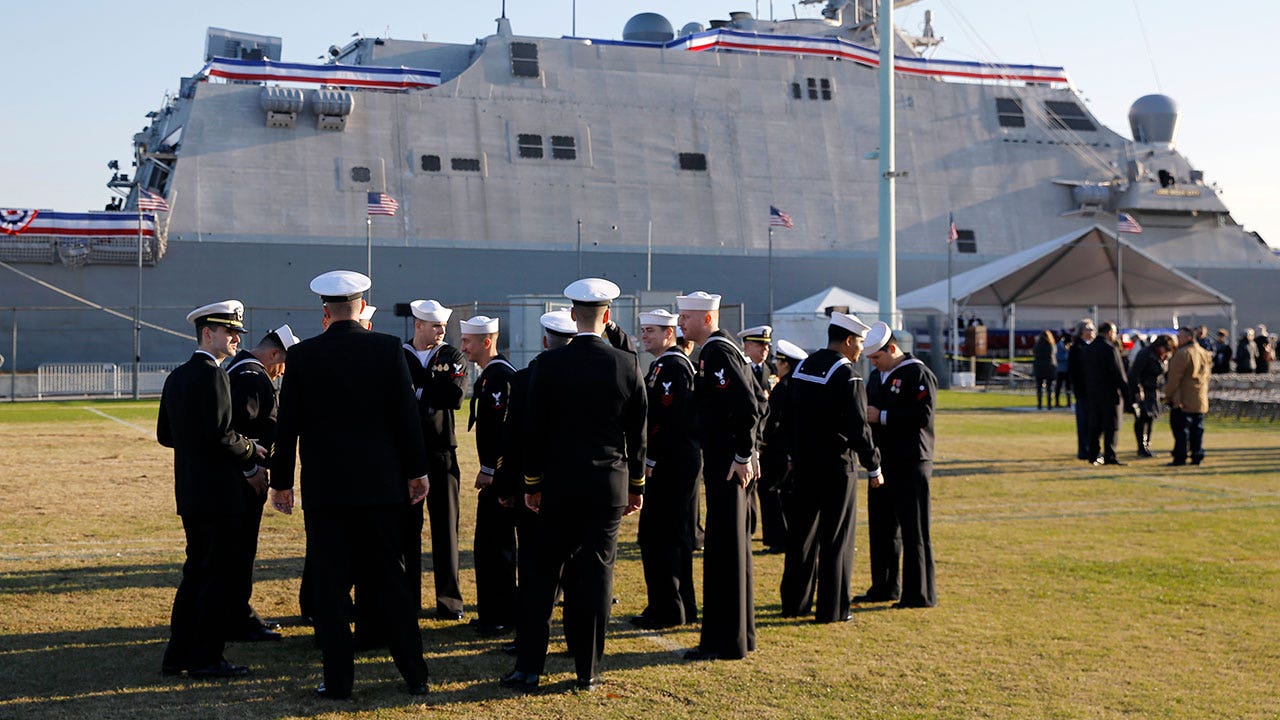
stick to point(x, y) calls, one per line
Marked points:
point(728, 416)
point(211, 465)
point(687, 347)
point(584, 467)
point(558, 328)
point(439, 373)
point(671, 468)
point(495, 540)
point(901, 396)
point(756, 345)
point(253, 414)
point(827, 416)
point(774, 463)
point(347, 411)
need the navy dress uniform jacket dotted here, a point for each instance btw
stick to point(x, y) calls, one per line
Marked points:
point(209, 457)
point(349, 398)
point(439, 389)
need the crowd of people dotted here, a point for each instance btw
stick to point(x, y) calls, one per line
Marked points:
point(566, 448)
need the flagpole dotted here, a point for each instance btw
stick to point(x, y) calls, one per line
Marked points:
point(1119, 280)
point(368, 245)
point(137, 306)
point(770, 312)
point(951, 308)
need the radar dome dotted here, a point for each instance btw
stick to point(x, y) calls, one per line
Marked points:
point(692, 28)
point(648, 27)
point(1154, 119)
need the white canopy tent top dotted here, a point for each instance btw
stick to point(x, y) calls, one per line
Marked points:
point(1077, 270)
point(805, 322)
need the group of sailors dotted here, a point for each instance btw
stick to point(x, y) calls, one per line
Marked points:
point(567, 447)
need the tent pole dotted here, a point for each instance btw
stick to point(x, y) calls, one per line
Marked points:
point(1119, 285)
point(1013, 322)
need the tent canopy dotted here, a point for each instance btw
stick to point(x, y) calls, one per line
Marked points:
point(831, 297)
point(1076, 270)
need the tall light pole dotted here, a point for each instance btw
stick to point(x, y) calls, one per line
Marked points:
point(887, 285)
point(579, 247)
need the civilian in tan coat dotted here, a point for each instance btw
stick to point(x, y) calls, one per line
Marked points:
point(1187, 390)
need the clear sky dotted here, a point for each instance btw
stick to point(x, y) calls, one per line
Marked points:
point(80, 75)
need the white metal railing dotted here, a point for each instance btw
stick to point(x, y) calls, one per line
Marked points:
point(75, 379)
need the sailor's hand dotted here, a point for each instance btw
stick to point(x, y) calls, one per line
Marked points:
point(258, 480)
point(418, 488)
point(533, 501)
point(483, 480)
point(259, 451)
point(634, 503)
point(741, 473)
point(282, 501)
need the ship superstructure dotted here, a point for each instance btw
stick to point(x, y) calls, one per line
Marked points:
point(651, 160)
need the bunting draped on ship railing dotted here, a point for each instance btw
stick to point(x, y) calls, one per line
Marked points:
point(365, 76)
point(957, 70)
point(50, 223)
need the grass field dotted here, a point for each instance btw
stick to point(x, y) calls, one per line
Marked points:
point(1065, 591)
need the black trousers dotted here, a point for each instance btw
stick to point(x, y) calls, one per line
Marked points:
point(494, 550)
point(820, 545)
point(1104, 428)
point(204, 613)
point(728, 599)
point(1082, 428)
point(247, 550)
point(1143, 422)
point(349, 546)
point(1060, 382)
point(908, 484)
point(577, 544)
point(1188, 435)
point(666, 541)
point(884, 544)
point(773, 519)
point(442, 511)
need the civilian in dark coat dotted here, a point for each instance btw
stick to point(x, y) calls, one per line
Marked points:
point(1045, 368)
point(1145, 378)
point(1108, 390)
point(1222, 353)
point(1247, 353)
point(211, 465)
point(347, 412)
point(1079, 384)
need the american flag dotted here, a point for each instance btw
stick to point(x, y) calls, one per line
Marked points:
point(1126, 224)
point(777, 218)
point(148, 200)
point(381, 203)
point(952, 233)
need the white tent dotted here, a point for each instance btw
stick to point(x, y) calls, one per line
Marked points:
point(1091, 266)
point(805, 322)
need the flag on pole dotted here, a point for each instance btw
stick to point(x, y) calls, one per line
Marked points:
point(952, 233)
point(1126, 224)
point(148, 200)
point(777, 218)
point(381, 203)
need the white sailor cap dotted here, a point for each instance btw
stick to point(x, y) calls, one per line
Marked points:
point(430, 311)
point(679, 333)
point(228, 313)
point(559, 322)
point(480, 325)
point(698, 300)
point(849, 322)
point(877, 337)
point(661, 317)
point(340, 285)
point(759, 333)
point(367, 313)
point(592, 291)
point(788, 350)
point(285, 335)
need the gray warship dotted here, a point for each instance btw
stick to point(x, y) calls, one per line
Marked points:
point(521, 163)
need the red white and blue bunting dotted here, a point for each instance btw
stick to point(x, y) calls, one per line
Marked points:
point(362, 76)
point(49, 223)
point(954, 70)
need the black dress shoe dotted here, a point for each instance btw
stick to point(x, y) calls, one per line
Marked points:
point(1175, 463)
point(873, 598)
point(588, 684)
point(1196, 461)
point(847, 617)
point(510, 649)
point(518, 680)
point(171, 670)
point(1144, 453)
point(447, 614)
point(492, 630)
point(698, 655)
point(909, 606)
point(270, 624)
point(418, 688)
point(1112, 461)
point(328, 694)
point(219, 670)
point(259, 633)
point(647, 623)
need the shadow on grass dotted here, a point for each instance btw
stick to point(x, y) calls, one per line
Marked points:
point(114, 672)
